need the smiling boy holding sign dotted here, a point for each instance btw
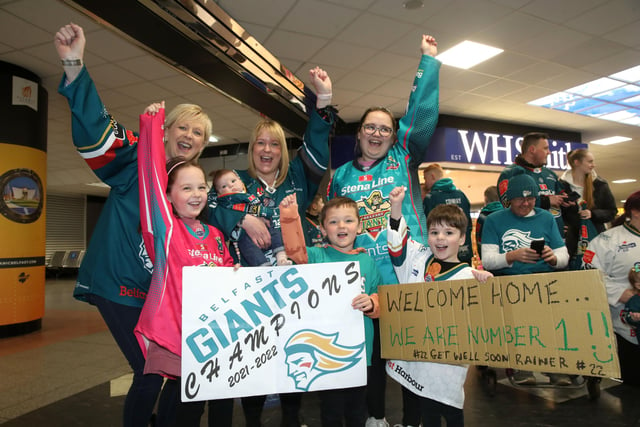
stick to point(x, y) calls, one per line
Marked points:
point(429, 390)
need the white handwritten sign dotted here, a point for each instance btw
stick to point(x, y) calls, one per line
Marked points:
point(263, 330)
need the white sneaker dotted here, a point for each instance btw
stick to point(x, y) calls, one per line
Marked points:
point(373, 422)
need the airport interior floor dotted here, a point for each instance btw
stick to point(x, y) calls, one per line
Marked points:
point(71, 373)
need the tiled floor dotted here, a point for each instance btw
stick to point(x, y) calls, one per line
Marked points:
point(71, 373)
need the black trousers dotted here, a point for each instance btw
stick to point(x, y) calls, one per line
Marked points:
point(376, 377)
point(343, 407)
point(188, 414)
point(289, 405)
point(629, 355)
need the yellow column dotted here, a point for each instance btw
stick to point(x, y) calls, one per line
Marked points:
point(23, 168)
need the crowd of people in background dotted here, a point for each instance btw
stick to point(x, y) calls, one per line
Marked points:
point(420, 233)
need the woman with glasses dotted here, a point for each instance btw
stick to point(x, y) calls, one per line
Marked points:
point(388, 157)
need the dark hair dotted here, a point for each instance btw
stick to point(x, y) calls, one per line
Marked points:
point(217, 174)
point(587, 193)
point(394, 124)
point(385, 110)
point(338, 202)
point(450, 215)
point(491, 194)
point(530, 139)
point(632, 203)
point(174, 165)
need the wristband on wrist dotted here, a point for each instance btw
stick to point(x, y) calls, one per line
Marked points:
point(324, 96)
point(372, 307)
point(71, 62)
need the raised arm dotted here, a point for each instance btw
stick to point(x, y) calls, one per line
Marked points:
point(155, 210)
point(311, 164)
point(417, 126)
point(70, 42)
point(396, 196)
point(322, 85)
point(107, 147)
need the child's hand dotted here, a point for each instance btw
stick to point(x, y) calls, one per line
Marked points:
point(237, 266)
point(635, 316)
point(362, 302)
point(154, 108)
point(429, 45)
point(288, 201)
point(481, 275)
point(397, 195)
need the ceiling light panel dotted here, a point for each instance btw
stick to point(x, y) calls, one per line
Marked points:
point(468, 54)
point(614, 98)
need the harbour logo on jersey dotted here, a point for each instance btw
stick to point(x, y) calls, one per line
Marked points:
point(625, 246)
point(373, 211)
point(365, 178)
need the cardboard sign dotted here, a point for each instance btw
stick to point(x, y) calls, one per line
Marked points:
point(263, 330)
point(553, 322)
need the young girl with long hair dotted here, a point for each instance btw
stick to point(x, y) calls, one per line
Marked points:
point(173, 196)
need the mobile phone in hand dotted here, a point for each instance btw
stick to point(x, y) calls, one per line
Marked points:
point(573, 196)
point(538, 246)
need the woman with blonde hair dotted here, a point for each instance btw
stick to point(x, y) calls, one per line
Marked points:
point(594, 203)
point(270, 177)
point(115, 273)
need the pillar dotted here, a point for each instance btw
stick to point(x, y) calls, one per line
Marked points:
point(23, 168)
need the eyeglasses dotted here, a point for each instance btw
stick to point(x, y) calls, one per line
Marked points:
point(371, 129)
point(523, 200)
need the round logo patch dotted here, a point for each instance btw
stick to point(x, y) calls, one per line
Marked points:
point(22, 195)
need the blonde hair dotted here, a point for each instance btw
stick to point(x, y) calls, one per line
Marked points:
point(578, 155)
point(190, 112)
point(276, 132)
point(434, 168)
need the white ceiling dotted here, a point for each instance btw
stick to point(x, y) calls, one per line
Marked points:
point(370, 49)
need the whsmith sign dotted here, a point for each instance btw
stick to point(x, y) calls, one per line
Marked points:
point(489, 148)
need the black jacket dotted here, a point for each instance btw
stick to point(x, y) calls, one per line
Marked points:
point(604, 210)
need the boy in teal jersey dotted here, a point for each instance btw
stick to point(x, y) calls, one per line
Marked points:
point(339, 223)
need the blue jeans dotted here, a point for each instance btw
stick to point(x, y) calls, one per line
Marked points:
point(252, 254)
point(141, 397)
